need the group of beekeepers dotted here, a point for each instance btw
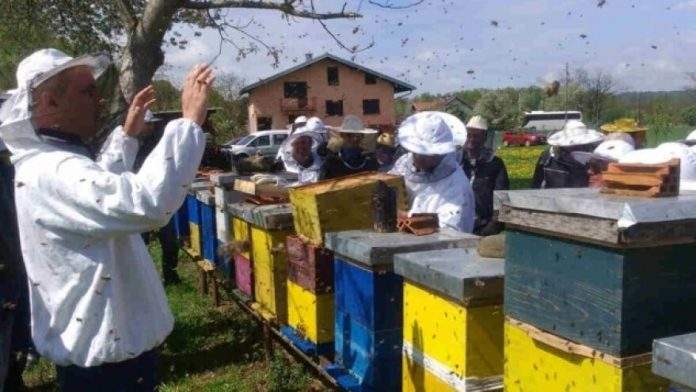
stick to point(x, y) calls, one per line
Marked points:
point(72, 214)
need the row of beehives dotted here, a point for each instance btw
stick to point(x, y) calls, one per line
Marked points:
point(396, 312)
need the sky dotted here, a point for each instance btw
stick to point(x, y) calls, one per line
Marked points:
point(443, 46)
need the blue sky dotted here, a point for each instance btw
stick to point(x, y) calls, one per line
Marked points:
point(434, 44)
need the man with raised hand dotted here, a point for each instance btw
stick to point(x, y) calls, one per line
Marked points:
point(98, 307)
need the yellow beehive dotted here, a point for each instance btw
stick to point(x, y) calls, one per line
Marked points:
point(444, 339)
point(339, 204)
point(311, 315)
point(270, 272)
point(195, 239)
point(539, 361)
point(240, 234)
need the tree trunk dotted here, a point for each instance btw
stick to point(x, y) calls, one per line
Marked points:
point(143, 55)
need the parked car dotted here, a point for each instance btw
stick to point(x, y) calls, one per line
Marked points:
point(523, 137)
point(265, 143)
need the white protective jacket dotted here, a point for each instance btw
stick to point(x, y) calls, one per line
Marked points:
point(446, 191)
point(95, 294)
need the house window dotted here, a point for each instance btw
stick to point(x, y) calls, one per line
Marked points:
point(295, 90)
point(264, 123)
point(334, 108)
point(370, 79)
point(332, 76)
point(370, 106)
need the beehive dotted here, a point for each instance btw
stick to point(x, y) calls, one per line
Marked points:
point(538, 361)
point(311, 316)
point(340, 204)
point(453, 320)
point(369, 301)
point(194, 215)
point(262, 230)
point(181, 225)
point(310, 297)
point(207, 227)
point(224, 183)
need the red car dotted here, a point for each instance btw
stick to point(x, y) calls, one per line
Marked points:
point(523, 138)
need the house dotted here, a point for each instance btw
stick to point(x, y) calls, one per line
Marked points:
point(452, 104)
point(328, 87)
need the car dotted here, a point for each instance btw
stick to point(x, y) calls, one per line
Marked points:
point(523, 138)
point(264, 143)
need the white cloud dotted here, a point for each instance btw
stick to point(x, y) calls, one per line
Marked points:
point(688, 5)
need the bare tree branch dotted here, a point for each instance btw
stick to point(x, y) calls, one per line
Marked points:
point(354, 49)
point(395, 7)
point(286, 7)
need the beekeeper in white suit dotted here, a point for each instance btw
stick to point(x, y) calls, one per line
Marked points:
point(300, 155)
point(434, 179)
point(98, 308)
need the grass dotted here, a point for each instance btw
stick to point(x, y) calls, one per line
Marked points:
point(520, 163)
point(210, 349)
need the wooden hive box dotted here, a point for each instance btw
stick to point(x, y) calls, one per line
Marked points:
point(339, 204)
point(310, 297)
point(613, 300)
point(536, 360)
point(453, 320)
point(209, 242)
point(642, 180)
point(369, 300)
point(674, 358)
point(194, 216)
point(267, 226)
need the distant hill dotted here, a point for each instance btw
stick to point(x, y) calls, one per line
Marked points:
point(682, 97)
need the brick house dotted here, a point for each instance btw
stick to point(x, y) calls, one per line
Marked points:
point(328, 87)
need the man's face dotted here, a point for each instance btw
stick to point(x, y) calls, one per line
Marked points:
point(79, 105)
point(475, 140)
point(302, 150)
point(426, 163)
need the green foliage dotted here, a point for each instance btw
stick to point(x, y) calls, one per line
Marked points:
point(568, 98)
point(688, 116)
point(500, 108)
point(286, 376)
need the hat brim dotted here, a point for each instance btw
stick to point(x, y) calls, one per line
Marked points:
point(429, 149)
point(365, 131)
point(97, 63)
point(574, 141)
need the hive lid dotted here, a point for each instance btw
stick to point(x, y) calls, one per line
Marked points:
point(378, 249)
point(460, 274)
point(269, 217)
point(675, 358)
point(626, 211)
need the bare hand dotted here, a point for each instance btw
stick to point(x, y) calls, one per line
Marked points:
point(135, 119)
point(194, 97)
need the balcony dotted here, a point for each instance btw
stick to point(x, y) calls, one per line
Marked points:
point(289, 105)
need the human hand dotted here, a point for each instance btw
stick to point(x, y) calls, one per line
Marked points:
point(135, 119)
point(194, 96)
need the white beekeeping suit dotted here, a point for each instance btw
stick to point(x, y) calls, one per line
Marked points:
point(313, 129)
point(446, 189)
point(95, 294)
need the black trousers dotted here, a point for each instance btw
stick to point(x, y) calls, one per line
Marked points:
point(138, 374)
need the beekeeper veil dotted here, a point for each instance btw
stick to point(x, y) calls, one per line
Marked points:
point(39, 67)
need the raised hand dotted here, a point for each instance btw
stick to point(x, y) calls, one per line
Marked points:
point(135, 119)
point(194, 96)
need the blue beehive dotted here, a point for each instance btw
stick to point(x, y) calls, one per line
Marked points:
point(208, 230)
point(181, 223)
point(369, 303)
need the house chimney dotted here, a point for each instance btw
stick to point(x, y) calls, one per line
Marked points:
point(308, 56)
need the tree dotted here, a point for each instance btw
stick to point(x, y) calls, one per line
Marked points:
point(500, 108)
point(689, 116)
point(530, 99)
point(598, 87)
point(569, 97)
point(134, 30)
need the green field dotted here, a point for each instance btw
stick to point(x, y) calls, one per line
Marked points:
point(210, 349)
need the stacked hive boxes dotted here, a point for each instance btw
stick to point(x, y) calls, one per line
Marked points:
point(208, 232)
point(193, 208)
point(369, 303)
point(675, 359)
point(453, 321)
point(339, 204)
point(585, 299)
point(260, 260)
point(224, 183)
